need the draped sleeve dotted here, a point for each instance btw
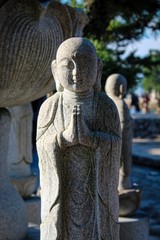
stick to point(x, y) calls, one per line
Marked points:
point(49, 152)
point(108, 163)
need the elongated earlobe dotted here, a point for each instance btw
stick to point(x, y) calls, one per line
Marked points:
point(59, 87)
point(53, 68)
point(121, 89)
point(97, 86)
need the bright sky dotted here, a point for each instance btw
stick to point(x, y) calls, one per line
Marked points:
point(143, 46)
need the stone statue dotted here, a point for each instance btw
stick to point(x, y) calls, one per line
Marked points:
point(116, 88)
point(30, 34)
point(78, 142)
point(13, 211)
point(19, 156)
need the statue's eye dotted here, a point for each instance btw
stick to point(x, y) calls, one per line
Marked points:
point(70, 65)
point(67, 65)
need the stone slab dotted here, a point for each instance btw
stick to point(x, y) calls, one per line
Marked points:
point(33, 205)
point(146, 125)
point(33, 232)
point(134, 228)
point(146, 152)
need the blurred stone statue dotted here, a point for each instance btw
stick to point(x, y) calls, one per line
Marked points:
point(30, 34)
point(13, 211)
point(116, 88)
point(20, 150)
point(79, 143)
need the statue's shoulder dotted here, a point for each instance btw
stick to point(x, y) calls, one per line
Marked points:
point(49, 104)
point(106, 102)
point(110, 111)
point(48, 109)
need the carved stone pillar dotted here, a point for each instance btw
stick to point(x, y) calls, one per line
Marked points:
point(13, 212)
point(20, 150)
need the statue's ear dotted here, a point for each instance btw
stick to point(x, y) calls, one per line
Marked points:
point(53, 68)
point(59, 87)
point(121, 90)
point(97, 86)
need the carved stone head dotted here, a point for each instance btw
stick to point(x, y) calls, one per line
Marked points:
point(77, 67)
point(116, 85)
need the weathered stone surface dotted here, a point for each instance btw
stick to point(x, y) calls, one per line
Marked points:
point(149, 179)
point(33, 205)
point(25, 185)
point(129, 200)
point(19, 155)
point(33, 232)
point(13, 212)
point(146, 125)
point(29, 37)
point(78, 142)
point(134, 228)
point(116, 87)
point(146, 152)
point(20, 141)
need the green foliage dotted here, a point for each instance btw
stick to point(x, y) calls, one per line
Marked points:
point(114, 63)
point(119, 20)
point(117, 23)
point(74, 3)
point(152, 72)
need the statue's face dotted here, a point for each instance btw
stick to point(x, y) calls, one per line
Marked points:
point(76, 70)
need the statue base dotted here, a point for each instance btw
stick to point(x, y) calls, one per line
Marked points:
point(134, 228)
point(33, 232)
point(129, 201)
point(25, 185)
point(33, 205)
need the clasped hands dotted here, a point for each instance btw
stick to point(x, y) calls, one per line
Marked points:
point(78, 131)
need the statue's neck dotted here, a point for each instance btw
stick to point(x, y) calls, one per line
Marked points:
point(77, 96)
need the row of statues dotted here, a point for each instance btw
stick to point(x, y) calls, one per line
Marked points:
point(30, 33)
point(79, 134)
point(84, 144)
point(129, 195)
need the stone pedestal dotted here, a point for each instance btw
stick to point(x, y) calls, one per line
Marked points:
point(13, 212)
point(33, 232)
point(20, 150)
point(33, 205)
point(134, 228)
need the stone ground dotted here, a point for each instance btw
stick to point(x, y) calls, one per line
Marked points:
point(146, 173)
point(33, 233)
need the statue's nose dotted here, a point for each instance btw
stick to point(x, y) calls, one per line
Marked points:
point(74, 71)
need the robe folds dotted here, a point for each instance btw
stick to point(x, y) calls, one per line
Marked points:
point(79, 196)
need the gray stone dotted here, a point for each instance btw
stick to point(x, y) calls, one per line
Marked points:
point(116, 87)
point(79, 143)
point(129, 201)
point(146, 125)
point(151, 191)
point(155, 229)
point(153, 238)
point(20, 141)
point(33, 205)
point(33, 232)
point(13, 212)
point(29, 37)
point(134, 228)
point(25, 185)
point(20, 150)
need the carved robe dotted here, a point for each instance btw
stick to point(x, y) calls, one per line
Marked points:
point(78, 183)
